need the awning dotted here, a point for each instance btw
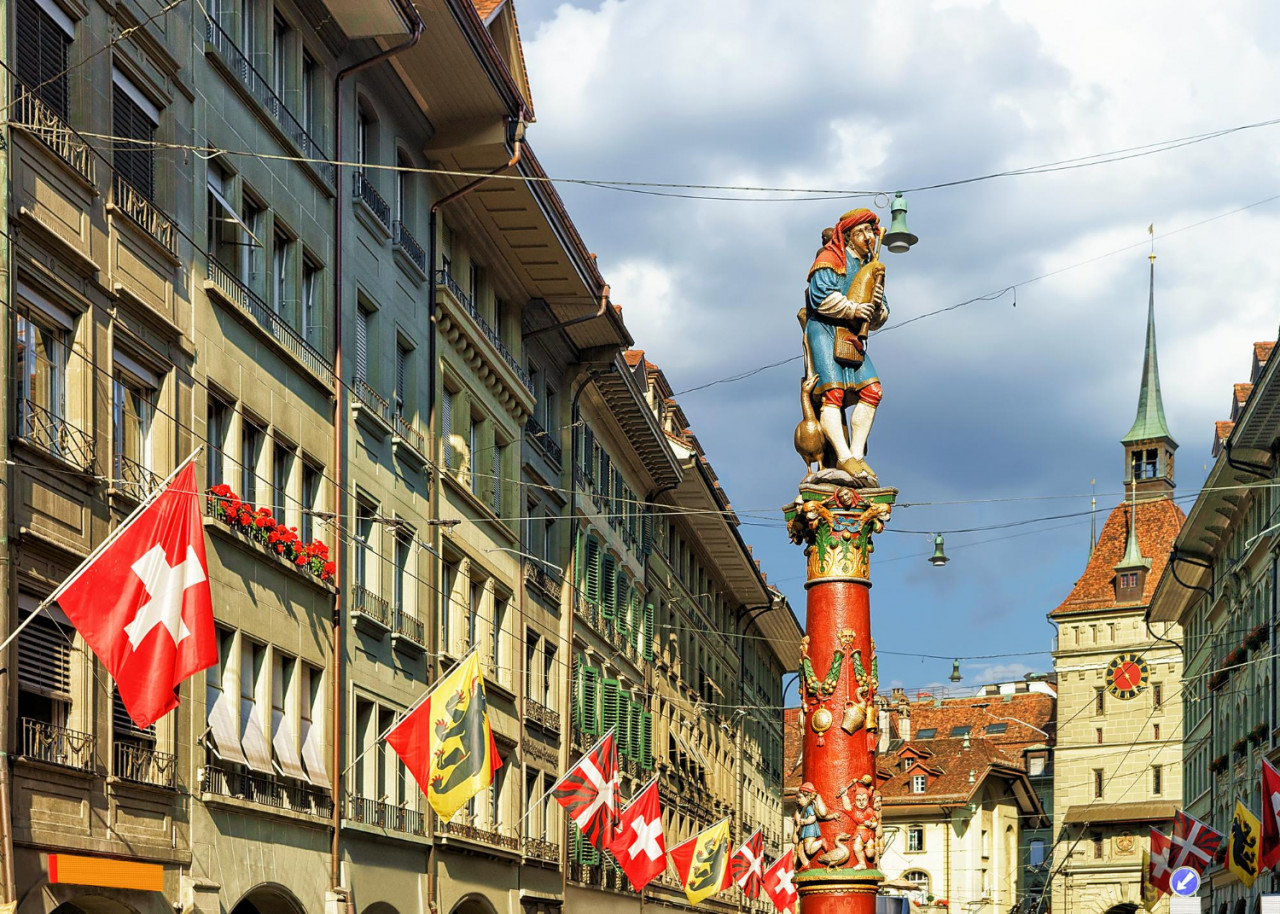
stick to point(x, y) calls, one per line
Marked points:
point(231, 211)
point(286, 746)
point(253, 737)
point(1098, 813)
point(222, 726)
point(313, 754)
point(691, 749)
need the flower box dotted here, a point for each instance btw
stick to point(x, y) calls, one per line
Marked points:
point(258, 525)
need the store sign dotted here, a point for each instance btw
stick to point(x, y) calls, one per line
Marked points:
point(70, 869)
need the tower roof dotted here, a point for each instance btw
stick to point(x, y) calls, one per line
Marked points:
point(1149, 423)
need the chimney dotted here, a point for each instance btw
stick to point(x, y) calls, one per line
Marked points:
point(882, 744)
point(904, 722)
point(965, 744)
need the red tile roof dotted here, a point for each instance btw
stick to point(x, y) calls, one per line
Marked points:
point(634, 357)
point(953, 759)
point(1031, 711)
point(1159, 521)
point(1242, 392)
point(1222, 431)
point(792, 748)
point(486, 7)
point(1262, 351)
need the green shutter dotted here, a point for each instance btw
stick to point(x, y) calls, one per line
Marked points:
point(608, 594)
point(575, 691)
point(646, 740)
point(648, 631)
point(635, 735)
point(609, 708)
point(593, 570)
point(590, 699)
point(624, 606)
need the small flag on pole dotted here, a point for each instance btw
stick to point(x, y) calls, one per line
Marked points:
point(639, 845)
point(1157, 872)
point(589, 792)
point(1194, 843)
point(747, 865)
point(1269, 846)
point(1242, 848)
point(779, 882)
point(446, 742)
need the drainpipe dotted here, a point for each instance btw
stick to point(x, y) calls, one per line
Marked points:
point(8, 593)
point(604, 306)
point(339, 420)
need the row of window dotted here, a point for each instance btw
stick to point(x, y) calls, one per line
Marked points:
point(1100, 699)
point(475, 451)
point(601, 704)
point(1156, 781)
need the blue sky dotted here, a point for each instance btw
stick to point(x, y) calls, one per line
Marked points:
point(1008, 412)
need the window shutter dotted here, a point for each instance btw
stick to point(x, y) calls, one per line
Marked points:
point(446, 427)
point(637, 730)
point(648, 631)
point(593, 570)
point(608, 587)
point(497, 478)
point(42, 57)
point(609, 709)
point(122, 725)
point(646, 740)
point(575, 691)
point(362, 344)
point(590, 699)
point(133, 161)
point(44, 659)
point(402, 359)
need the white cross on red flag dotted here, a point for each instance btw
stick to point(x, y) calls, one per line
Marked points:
point(589, 792)
point(143, 605)
point(639, 846)
point(1158, 872)
point(779, 882)
point(747, 865)
point(1269, 847)
point(1194, 843)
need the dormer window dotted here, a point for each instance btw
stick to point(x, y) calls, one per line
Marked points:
point(919, 783)
point(927, 733)
point(1129, 585)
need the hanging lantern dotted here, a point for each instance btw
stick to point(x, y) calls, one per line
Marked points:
point(955, 671)
point(898, 240)
point(939, 557)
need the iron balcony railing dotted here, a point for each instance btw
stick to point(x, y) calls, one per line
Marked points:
point(540, 714)
point(468, 303)
point(144, 213)
point(406, 626)
point(145, 765)
point(132, 478)
point(267, 791)
point(43, 123)
point(380, 814)
point(405, 241)
point(542, 850)
point(542, 441)
point(250, 304)
point(414, 438)
point(56, 745)
point(371, 399)
point(53, 433)
point(482, 835)
point(368, 194)
point(260, 90)
point(538, 575)
point(367, 603)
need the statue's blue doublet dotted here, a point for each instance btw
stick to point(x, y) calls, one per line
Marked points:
point(822, 335)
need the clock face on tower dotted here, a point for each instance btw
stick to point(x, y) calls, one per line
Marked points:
point(1127, 675)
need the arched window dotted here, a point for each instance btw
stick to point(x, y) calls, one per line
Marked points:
point(920, 878)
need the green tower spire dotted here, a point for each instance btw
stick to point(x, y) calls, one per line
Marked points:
point(1149, 423)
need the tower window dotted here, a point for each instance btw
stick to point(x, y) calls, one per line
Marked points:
point(1145, 462)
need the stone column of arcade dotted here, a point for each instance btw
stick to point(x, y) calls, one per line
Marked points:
point(840, 507)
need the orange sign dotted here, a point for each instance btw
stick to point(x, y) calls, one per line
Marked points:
point(103, 871)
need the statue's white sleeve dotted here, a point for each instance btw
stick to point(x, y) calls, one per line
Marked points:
point(836, 307)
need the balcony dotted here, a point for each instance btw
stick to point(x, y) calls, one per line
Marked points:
point(373, 201)
point(259, 89)
point(50, 432)
point(541, 850)
point(408, 443)
point(541, 578)
point(144, 213)
point(266, 791)
point(455, 291)
point(269, 538)
point(43, 123)
point(367, 811)
point(235, 293)
point(132, 479)
point(371, 408)
point(408, 245)
point(143, 764)
point(408, 633)
point(541, 715)
point(56, 745)
point(370, 611)
point(542, 441)
point(478, 835)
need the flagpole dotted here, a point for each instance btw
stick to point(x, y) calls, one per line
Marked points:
point(111, 538)
point(407, 711)
point(552, 788)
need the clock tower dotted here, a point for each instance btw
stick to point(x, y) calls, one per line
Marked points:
point(1117, 763)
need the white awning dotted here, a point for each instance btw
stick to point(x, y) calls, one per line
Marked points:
point(286, 746)
point(222, 726)
point(313, 753)
point(253, 738)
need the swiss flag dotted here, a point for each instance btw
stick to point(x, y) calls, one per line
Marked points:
point(779, 882)
point(1269, 849)
point(1159, 872)
point(143, 603)
point(639, 845)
